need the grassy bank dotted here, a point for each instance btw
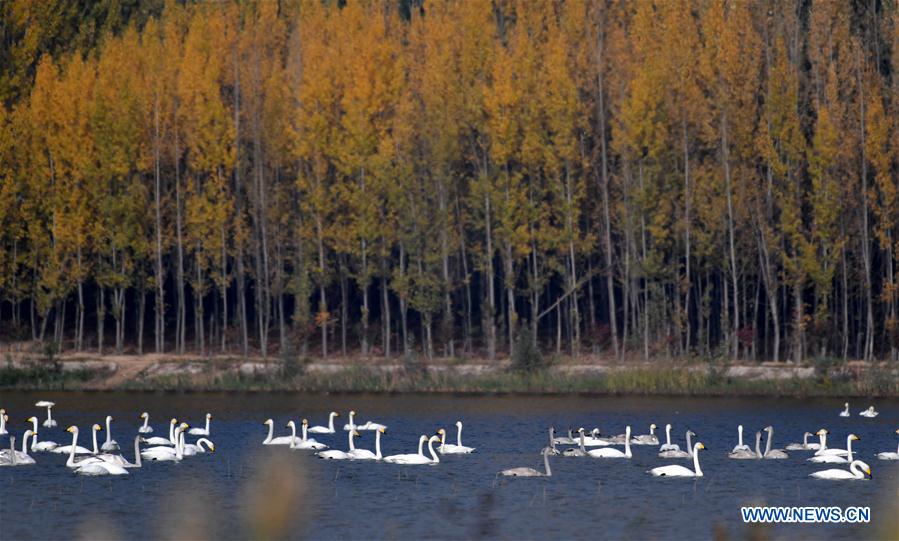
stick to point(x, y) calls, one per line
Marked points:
point(45, 376)
point(661, 381)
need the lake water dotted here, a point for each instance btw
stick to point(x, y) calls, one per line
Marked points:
point(247, 490)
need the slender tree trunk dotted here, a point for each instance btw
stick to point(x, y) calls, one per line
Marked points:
point(725, 149)
point(159, 319)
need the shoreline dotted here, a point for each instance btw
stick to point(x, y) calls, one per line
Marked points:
point(446, 376)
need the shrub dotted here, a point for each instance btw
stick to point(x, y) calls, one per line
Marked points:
point(526, 356)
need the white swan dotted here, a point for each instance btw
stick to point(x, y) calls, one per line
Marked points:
point(804, 446)
point(159, 440)
point(608, 452)
point(647, 439)
point(845, 412)
point(668, 446)
point(305, 443)
point(8, 456)
point(334, 454)
point(530, 472)
point(552, 442)
point(593, 440)
point(677, 453)
point(164, 453)
point(773, 453)
point(119, 460)
point(201, 431)
point(676, 470)
point(73, 462)
point(325, 429)
point(351, 425)
point(824, 450)
point(49, 422)
point(191, 449)
point(834, 458)
point(94, 465)
point(869, 413)
point(740, 445)
point(857, 470)
point(746, 454)
point(281, 440)
point(3, 419)
point(43, 445)
point(413, 460)
point(409, 457)
point(889, 456)
point(369, 425)
point(449, 448)
point(110, 444)
point(365, 454)
point(145, 428)
point(18, 458)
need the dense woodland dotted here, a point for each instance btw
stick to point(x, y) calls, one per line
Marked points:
point(449, 178)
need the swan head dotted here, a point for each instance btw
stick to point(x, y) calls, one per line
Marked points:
point(208, 416)
point(356, 434)
point(352, 412)
point(668, 426)
point(807, 434)
point(595, 432)
point(96, 427)
point(822, 432)
point(109, 418)
point(863, 467)
point(699, 446)
point(144, 415)
point(335, 413)
point(458, 424)
point(72, 429)
point(769, 428)
point(266, 422)
point(31, 419)
point(581, 430)
point(441, 432)
point(853, 437)
point(305, 422)
point(846, 404)
point(2, 411)
point(382, 430)
point(174, 421)
point(434, 439)
point(184, 426)
point(653, 426)
point(897, 431)
point(291, 424)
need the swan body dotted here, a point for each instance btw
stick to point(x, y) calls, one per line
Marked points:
point(79, 462)
point(773, 453)
point(36, 445)
point(889, 456)
point(845, 412)
point(325, 429)
point(119, 460)
point(668, 446)
point(870, 413)
point(100, 468)
point(369, 425)
point(163, 453)
point(281, 440)
point(334, 454)
point(530, 472)
point(824, 450)
point(608, 452)
point(744, 454)
point(647, 439)
point(8, 456)
point(48, 422)
point(365, 454)
point(566, 440)
point(451, 449)
point(593, 440)
point(740, 445)
point(676, 470)
point(305, 443)
point(804, 446)
point(110, 444)
point(834, 458)
point(201, 431)
point(677, 453)
point(857, 470)
point(145, 428)
point(158, 440)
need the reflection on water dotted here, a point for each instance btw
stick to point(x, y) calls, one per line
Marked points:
point(247, 491)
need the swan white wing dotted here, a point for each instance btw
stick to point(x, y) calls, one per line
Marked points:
point(281, 440)
point(333, 454)
point(156, 440)
point(309, 444)
point(410, 459)
point(827, 459)
point(832, 474)
point(67, 449)
point(672, 471)
point(669, 447)
point(888, 456)
point(110, 446)
point(741, 448)
point(145, 430)
point(452, 449)
point(198, 432)
point(674, 454)
point(101, 468)
point(44, 446)
point(320, 430)
point(362, 454)
point(522, 472)
point(606, 453)
point(742, 455)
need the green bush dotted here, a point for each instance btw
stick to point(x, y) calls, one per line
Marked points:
point(526, 356)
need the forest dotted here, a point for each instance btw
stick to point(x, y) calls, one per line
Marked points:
point(450, 178)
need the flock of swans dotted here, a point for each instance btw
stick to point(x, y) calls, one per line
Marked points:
point(102, 459)
point(304, 442)
point(603, 448)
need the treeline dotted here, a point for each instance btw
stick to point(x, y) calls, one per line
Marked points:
point(640, 179)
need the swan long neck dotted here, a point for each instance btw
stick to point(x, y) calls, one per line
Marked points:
point(696, 467)
point(443, 438)
point(582, 441)
point(207, 424)
point(627, 442)
point(271, 431)
point(740, 434)
point(331, 421)
point(146, 422)
point(12, 450)
point(137, 462)
point(378, 444)
point(71, 461)
point(305, 431)
point(823, 440)
point(549, 472)
point(49, 415)
point(33, 423)
point(769, 443)
point(849, 448)
point(689, 443)
point(421, 445)
point(758, 444)
point(459, 435)
point(652, 431)
point(179, 447)
point(25, 443)
point(352, 447)
point(667, 434)
point(434, 458)
point(108, 430)
point(172, 433)
point(805, 440)
point(96, 450)
point(293, 433)
point(2, 424)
